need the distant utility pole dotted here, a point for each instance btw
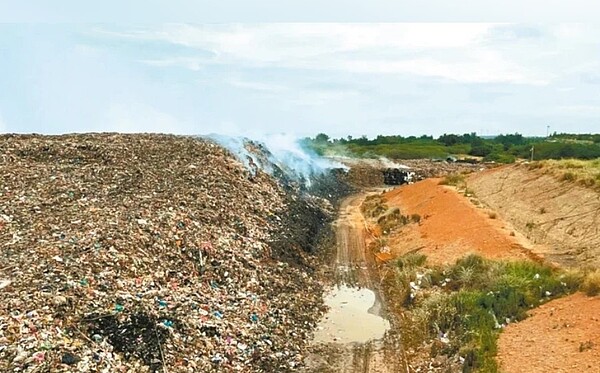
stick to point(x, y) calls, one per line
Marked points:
point(532, 153)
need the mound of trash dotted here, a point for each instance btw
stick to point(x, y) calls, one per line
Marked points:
point(134, 253)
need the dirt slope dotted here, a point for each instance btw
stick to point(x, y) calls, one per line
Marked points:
point(560, 336)
point(450, 227)
point(562, 219)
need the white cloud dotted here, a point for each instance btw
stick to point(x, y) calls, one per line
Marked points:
point(460, 52)
point(593, 110)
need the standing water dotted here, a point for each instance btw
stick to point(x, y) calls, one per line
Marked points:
point(352, 318)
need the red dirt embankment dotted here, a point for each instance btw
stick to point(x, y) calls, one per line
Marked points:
point(450, 227)
point(560, 336)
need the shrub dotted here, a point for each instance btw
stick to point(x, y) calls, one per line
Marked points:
point(591, 283)
point(411, 261)
point(492, 215)
point(500, 158)
point(568, 176)
point(373, 206)
point(453, 179)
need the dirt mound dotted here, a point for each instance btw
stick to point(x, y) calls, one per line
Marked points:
point(450, 225)
point(138, 252)
point(560, 336)
point(561, 218)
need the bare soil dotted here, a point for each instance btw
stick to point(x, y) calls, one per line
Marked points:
point(560, 218)
point(560, 336)
point(450, 226)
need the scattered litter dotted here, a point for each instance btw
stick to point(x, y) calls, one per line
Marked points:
point(117, 255)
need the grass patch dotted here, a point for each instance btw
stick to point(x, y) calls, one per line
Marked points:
point(591, 283)
point(585, 172)
point(453, 179)
point(470, 301)
point(411, 261)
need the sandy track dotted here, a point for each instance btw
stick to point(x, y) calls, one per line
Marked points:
point(350, 262)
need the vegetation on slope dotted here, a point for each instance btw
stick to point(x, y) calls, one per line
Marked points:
point(462, 308)
point(584, 172)
point(501, 149)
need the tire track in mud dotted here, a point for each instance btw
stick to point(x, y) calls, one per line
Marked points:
point(353, 269)
point(351, 264)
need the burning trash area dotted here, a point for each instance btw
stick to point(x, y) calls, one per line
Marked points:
point(152, 253)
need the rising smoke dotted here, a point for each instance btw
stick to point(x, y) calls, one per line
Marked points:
point(279, 153)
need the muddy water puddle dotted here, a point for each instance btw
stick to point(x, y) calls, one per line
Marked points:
point(353, 317)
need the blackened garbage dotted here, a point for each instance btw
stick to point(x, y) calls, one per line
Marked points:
point(396, 176)
point(70, 359)
point(137, 336)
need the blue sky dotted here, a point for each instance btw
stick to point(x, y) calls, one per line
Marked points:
point(300, 78)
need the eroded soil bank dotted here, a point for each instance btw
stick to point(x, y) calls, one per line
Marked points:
point(560, 218)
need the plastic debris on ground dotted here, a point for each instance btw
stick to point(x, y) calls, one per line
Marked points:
point(136, 253)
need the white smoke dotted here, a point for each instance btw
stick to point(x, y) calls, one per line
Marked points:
point(391, 164)
point(282, 150)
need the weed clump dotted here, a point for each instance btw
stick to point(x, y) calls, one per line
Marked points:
point(453, 179)
point(374, 206)
point(411, 261)
point(568, 176)
point(464, 306)
point(591, 283)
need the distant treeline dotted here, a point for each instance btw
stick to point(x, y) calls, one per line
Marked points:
point(503, 148)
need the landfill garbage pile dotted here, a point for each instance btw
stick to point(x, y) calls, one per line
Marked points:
point(365, 176)
point(332, 185)
point(426, 168)
point(149, 253)
point(396, 176)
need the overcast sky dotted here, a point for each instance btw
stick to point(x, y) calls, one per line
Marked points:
point(341, 79)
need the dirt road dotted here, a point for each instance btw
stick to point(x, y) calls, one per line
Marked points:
point(350, 265)
point(358, 312)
